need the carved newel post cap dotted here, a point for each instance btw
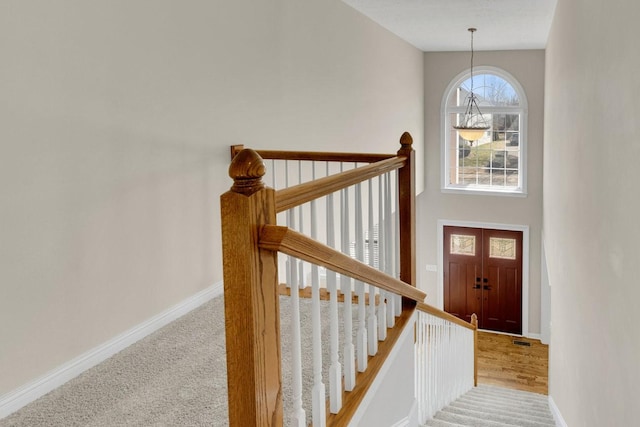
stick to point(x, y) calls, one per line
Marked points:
point(246, 170)
point(406, 140)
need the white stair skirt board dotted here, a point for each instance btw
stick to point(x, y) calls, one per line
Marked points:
point(377, 382)
point(557, 416)
point(12, 401)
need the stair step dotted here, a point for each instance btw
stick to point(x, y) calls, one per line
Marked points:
point(530, 415)
point(511, 394)
point(516, 419)
point(469, 420)
point(488, 406)
point(441, 423)
point(524, 408)
point(515, 404)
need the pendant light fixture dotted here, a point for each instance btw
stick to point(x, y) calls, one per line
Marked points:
point(473, 124)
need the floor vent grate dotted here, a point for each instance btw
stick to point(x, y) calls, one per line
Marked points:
point(523, 343)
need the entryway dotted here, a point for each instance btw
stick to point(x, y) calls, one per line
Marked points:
point(482, 274)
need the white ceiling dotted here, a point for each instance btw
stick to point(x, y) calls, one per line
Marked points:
point(441, 25)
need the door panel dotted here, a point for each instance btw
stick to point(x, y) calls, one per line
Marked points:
point(513, 298)
point(502, 264)
point(462, 266)
point(483, 275)
point(491, 314)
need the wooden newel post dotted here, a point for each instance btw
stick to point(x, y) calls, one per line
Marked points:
point(474, 322)
point(251, 297)
point(407, 211)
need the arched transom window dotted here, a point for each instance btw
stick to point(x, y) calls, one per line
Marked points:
point(494, 163)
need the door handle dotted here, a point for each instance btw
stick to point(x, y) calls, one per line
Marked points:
point(477, 286)
point(487, 287)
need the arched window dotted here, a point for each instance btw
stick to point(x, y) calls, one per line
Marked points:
point(496, 163)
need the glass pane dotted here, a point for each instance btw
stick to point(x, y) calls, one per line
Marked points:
point(492, 161)
point(463, 245)
point(499, 178)
point(490, 90)
point(502, 248)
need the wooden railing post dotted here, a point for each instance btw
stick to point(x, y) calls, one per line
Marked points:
point(407, 211)
point(474, 322)
point(251, 298)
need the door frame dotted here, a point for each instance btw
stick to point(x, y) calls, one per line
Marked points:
point(525, 261)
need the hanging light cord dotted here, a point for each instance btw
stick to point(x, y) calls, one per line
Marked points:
point(472, 30)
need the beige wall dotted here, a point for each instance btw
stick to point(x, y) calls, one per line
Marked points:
point(116, 121)
point(591, 207)
point(440, 69)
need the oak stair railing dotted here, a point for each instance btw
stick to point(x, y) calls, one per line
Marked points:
point(379, 262)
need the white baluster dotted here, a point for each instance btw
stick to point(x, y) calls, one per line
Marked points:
point(345, 286)
point(361, 337)
point(273, 174)
point(389, 249)
point(372, 326)
point(318, 392)
point(382, 266)
point(344, 232)
point(396, 298)
point(301, 264)
point(417, 356)
point(298, 415)
point(290, 262)
point(439, 362)
point(335, 369)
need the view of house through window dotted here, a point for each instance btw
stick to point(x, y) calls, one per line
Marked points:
point(495, 162)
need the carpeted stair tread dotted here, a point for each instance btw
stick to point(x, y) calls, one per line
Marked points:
point(532, 415)
point(524, 407)
point(486, 406)
point(509, 394)
point(441, 423)
point(525, 403)
point(467, 420)
point(517, 419)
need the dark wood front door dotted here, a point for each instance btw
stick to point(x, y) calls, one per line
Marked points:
point(483, 275)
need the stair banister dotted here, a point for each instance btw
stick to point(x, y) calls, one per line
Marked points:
point(251, 240)
point(251, 276)
point(407, 212)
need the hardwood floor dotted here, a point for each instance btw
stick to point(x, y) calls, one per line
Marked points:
point(505, 364)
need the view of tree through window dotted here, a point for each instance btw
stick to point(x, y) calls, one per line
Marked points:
point(493, 162)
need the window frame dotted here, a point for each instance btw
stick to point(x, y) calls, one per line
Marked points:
point(446, 125)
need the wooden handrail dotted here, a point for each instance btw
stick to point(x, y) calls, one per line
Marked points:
point(444, 315)
point(318, 156)
point(297, 195)
point(290, 242)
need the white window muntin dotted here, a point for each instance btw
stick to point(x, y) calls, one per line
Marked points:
point(446, 112)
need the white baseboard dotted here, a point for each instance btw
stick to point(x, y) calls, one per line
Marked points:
point(31, 391)
point(402, 423)
point(557, 416)
point(527, 335)
point(410, 420)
